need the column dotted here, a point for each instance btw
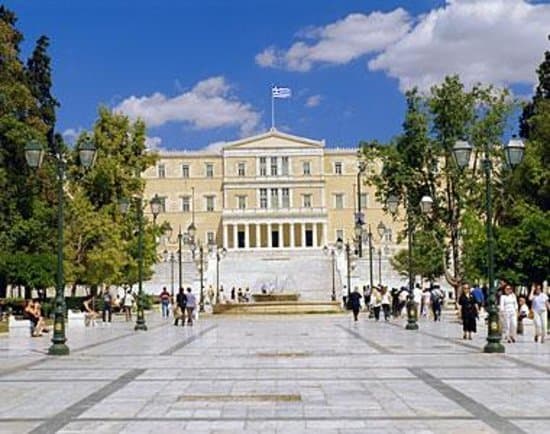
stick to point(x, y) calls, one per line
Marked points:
point(315, 234)
point(292, 240)
point(235, 236)
point(246, 235)
point(269, 240)
point(325, 234)
point(225, 236)
point(303, 234)
point(258, 236)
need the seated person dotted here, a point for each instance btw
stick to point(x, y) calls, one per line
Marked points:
point(33, 311)
point(90, 315)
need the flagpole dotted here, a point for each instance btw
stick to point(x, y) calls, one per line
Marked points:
point(272, 110)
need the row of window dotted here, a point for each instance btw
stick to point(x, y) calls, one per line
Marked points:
point(276, 165)
point(272, 198)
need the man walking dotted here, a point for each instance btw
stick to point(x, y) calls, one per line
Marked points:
point(355, 303)
point(107, 305)
point(190, 306)
point(165, 303)
point(181, 303)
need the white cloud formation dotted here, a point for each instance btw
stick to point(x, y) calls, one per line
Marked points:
point(490, 41)
point(207, 105)
point(215, 146)
point(153, 143)
point(71, 134)
point(314, 101)
point(340, 42)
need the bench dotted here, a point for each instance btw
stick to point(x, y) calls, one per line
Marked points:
point(79, 319)
point(19, 327)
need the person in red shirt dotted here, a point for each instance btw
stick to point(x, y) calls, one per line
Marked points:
point(165, 303)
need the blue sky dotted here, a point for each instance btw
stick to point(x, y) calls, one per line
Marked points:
point(199, 72)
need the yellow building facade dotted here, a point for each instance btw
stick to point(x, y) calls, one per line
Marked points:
point(272, 191)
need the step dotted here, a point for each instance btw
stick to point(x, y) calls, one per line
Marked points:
point(270, 308)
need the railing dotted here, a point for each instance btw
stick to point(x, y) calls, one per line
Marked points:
point(274, 211)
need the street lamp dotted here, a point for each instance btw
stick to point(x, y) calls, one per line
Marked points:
point(425, 206)
point(359, 218)
point(381, 228)
point(180, 268)
point(220, 253)
point(155, 205)
point(34, 154)
point(332, 253)
point(172, 259)
point(513, 153)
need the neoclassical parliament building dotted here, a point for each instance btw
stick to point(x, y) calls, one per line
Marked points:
point(266, 192)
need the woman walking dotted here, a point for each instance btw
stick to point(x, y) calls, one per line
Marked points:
point(468, 312)
point(540, 306)
point(509, 310)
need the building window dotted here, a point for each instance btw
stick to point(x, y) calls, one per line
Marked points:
point(210, 203)
point(364, 199)
point(186, 204)
point(185, 170)
point(274, 198)
point(162, 201)
point(307, 167)
point(284, 166)
point(209, 169)
point(273, 166)
point(339, 234)
point(286, 197)
point(263, 198)
point(210, 238)
point(307, 200)
point(339, 201)
point(263, 166)
point(161, 168)
point(338, 168)
point(241, 169)
point(241, 202)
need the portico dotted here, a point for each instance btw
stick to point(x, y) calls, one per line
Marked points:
point(274, 233)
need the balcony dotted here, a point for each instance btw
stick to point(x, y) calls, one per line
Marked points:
point(275, 212)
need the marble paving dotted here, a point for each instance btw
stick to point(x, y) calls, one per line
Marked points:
point(276, 374)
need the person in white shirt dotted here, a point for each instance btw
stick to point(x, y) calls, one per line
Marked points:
point(509, 310)
point(128, 303)
point(190, 306)
point(540, 306)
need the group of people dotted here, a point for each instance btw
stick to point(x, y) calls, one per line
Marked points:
point(182, 307)
point(392, 303)
point(109, 305)
point(514, 306)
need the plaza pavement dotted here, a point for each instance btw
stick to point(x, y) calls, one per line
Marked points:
point(284, 374)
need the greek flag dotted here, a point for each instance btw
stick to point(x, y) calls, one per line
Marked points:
point(281, 92)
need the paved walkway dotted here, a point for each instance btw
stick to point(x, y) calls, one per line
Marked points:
point(286, 374)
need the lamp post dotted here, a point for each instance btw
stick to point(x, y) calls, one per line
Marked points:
point(332, 253)
point(359, 218)
point(34, 154)
point(172, 261)
point(513, 152)
point(370, 259)
point(155, 204)
point(426, 206)
point(381, 232)
point(180, 267)
point(220, 253)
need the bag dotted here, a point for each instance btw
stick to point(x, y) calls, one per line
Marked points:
point(531, 314)
point(178, 313)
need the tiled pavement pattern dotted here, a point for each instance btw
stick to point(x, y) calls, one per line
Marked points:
point(286, 374)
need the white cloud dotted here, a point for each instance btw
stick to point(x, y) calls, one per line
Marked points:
point(340, 42)
point(491, 41)
point(215, 146)
point(500, 42)
point(314, 101)
point(207, 105)
point(153, 143)
point(71, 134)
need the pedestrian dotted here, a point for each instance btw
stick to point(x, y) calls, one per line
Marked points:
point(88, 307)
point(190, 306)
point(345, 297)
point(376, 302)
point(437, 297)
point(523, 312)
point(181, 305)
point(165, 303)
point(426, 297)
point(540, 306)
point(477, 293)
point(386, 303)
point(417, 299)
point(233, 295)
point(128, 303)
point(107, 312)
point(468, 312)
point(355, 302)
point(508, 307)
